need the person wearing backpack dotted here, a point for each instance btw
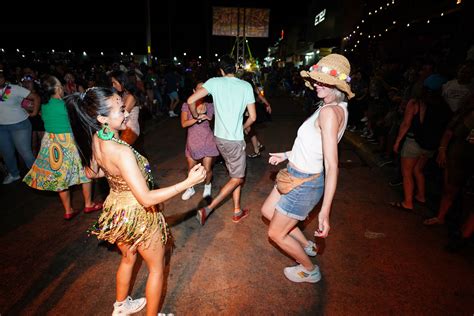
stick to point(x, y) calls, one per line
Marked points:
point(422, 127)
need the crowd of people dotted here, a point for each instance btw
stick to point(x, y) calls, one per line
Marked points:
point(88, 123)
point(418, 117)
point(88, 133)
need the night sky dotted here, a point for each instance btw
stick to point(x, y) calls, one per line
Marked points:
point(105, 25)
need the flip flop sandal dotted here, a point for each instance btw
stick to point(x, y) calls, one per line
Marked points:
point(400, 206)
point(432, 221)
point(254, 155)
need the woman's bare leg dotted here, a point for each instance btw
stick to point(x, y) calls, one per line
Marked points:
point(154, 258)
point(125, 271)
point(268, 209)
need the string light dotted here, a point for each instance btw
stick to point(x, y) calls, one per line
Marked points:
point(394, 22)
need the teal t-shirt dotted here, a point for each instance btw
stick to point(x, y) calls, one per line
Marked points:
point(55, 117)
point(231, 97)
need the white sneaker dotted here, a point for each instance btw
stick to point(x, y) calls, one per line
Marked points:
point(128, 306)
point(172, 114)
point(207, 190)
point(300, 274)
point(188, 193)
point(311, 249)
point(9, 179)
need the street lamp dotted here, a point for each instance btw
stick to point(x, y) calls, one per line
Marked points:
point(184, 53)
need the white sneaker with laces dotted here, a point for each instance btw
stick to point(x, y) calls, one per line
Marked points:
point(207, 190)
point(311, 249)
point(300, 274)
point(128, 306)
point(9, 179)
point(172, 114)
point(188, 193)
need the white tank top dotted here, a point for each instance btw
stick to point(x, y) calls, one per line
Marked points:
point(307, 152)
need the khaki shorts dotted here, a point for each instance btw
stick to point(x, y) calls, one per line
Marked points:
point(233, 152)
point(411, 149)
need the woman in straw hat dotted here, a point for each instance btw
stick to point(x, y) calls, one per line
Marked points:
point(314, 151)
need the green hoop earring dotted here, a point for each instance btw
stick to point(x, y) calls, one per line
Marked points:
point(105, 133)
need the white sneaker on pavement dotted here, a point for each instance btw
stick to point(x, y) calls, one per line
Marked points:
point(188, 193)
point(9, 179)
point(128, 306)
point(207, 190)
point(172, 114)
point(300, 274)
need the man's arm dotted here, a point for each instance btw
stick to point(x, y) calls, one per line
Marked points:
point(198, 94)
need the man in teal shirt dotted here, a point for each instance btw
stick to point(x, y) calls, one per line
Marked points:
point(232, 97)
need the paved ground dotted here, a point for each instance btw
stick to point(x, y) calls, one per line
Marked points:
point(377, 260)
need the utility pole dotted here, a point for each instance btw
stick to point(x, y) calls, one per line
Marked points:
point(148, 33)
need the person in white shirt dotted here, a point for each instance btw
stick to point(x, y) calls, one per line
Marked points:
point(457, 90)
point(314, 151)
point(15, 128)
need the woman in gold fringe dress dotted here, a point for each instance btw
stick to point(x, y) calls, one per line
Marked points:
point(130, 217)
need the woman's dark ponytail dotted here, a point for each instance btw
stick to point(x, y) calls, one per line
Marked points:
point(83, 109)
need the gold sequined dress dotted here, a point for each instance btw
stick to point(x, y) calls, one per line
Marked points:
point(123, 218)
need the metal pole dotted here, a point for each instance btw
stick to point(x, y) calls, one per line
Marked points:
point(148, 33)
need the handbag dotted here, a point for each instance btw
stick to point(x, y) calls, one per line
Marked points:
point(285, 182)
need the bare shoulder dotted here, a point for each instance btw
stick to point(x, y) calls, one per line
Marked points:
point(113, 152)
point(330, 112)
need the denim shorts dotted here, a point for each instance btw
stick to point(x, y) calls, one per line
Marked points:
point(299, 202)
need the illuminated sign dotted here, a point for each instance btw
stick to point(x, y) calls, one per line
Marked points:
point(320, 17)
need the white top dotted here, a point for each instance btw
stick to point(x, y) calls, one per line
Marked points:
point(307, 152)
point(454, 93)
point(132, 120)
point(11, 111)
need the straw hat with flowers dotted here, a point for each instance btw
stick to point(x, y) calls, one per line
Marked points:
point(334, 70)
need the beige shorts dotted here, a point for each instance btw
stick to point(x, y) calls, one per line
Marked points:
point(411, 149)
point(233, 152)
